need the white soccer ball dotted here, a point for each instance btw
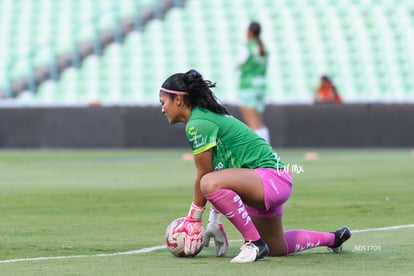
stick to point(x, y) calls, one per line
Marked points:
point(176, 242)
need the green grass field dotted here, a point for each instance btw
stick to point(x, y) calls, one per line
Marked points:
point(86, 203)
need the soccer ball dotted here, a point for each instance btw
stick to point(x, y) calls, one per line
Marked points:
point(176, 242)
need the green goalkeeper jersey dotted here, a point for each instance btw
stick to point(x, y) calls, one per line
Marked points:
point(253, 69)
point(233, 144)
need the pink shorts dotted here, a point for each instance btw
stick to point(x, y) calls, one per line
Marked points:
point(277, 186)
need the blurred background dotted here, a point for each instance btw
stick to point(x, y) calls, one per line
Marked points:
point(86, 73)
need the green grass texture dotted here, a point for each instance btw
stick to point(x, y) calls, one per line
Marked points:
point(88, 204)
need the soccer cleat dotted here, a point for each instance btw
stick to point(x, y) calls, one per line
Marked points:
point(341, 235)
point(250, 253)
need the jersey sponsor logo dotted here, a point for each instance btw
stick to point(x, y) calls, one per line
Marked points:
point(197, 139)
point(258, 81)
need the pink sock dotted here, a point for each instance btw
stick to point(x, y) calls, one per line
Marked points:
point(230, 204)
point(299, 240)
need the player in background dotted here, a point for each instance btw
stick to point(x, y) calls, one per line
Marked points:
point(239, 173)
point(252, 60)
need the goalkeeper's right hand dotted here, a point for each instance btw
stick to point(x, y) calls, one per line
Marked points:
point(194, 229)
point(216, 230)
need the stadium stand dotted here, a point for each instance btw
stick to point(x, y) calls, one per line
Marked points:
point(43, 33)
point(365, 46)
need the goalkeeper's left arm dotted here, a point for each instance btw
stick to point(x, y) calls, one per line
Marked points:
point(215, 227)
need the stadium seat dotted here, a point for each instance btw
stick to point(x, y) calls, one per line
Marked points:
point(28, 25)
point(47, 93)
point(68, 87)
point(364, 45)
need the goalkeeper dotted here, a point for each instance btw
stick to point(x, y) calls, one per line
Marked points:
point(239, 173)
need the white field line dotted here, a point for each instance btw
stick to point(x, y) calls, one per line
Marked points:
point(153, 248)
point(383, 228)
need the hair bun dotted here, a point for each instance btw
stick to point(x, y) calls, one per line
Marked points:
point(192, 76)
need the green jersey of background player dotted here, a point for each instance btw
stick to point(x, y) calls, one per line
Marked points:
point(253, 70)
point(253, 59)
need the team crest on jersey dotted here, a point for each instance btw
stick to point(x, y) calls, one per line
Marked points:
point(192, 131)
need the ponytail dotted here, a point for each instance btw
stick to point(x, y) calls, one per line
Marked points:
point(261, 47)
point(255, 29)
point(195, 90)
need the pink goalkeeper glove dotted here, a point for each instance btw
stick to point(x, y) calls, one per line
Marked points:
point(215, 230)
point(193, 227)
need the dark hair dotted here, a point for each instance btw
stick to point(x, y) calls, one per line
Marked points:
point(198, 89)
point(325, 78)
point(256, 29)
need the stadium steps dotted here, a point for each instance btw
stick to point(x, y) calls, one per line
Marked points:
point(59, 42)
point(365, 46)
